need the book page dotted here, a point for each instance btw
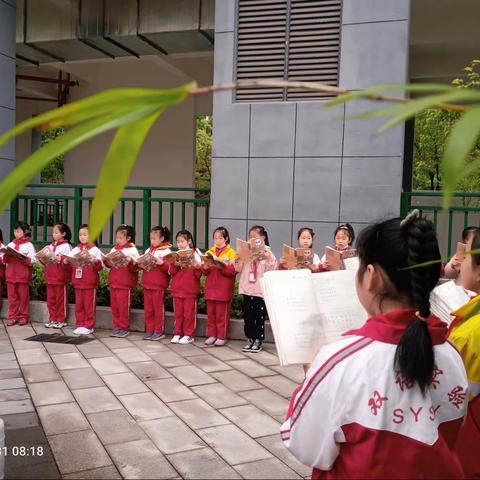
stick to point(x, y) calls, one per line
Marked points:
point(47, 256)
point(333, 258)
point(351, 263)
point(446, 298)
point(338, 304)
point(14, 253)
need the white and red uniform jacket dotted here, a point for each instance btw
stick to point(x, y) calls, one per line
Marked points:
point(58, 273)
point(125, 277)
point(2, 264)
point(85, 278)
point(185, 281)
point(20, 271)
point(158, 278)
point(354, 416)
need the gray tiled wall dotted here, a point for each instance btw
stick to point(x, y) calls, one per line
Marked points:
point(7, 94)
point(291, 164)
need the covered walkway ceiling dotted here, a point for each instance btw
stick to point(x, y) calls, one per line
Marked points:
point(71, 30)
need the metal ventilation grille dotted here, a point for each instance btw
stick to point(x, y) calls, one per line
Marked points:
point(287, 39)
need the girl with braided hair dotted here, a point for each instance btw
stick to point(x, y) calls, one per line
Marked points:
point(389, 400)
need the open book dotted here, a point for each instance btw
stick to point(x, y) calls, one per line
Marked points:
point(446, 298)
point(297, 258)
point(183, 258)
point(13, 253)
point(341, 260)
point(253, 249)
point(211, 260)
point(116, 259)
point(47, 256)
point(308, 310)
point(80, 259)
point(146, 261)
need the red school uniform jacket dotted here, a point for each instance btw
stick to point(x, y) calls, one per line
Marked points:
point(185, 281)
point(20, 271)
point(220, 283)
point(158, 278)
point(125, 277)
point(87, 277)
point(354, 416)
point(2, 264)
point(58, 273)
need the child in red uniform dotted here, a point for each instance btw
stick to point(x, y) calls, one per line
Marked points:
point(185, 288)
point(344, 236)
point(122, 281)
point(155, 281)
point(57, 276)
point(219, 288)
point(2, 268)
point(19, 274)
point(85, 281)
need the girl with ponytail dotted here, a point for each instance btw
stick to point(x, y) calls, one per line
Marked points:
point(389, 400)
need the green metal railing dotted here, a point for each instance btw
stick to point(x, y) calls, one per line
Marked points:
point(464, 211)
point(177, 208)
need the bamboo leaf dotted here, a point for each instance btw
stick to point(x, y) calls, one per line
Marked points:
point(116, 169)
point(21, 175)
point(460, 143)
point(475, 251)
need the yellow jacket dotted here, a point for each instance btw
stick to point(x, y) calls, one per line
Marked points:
point(466, 337)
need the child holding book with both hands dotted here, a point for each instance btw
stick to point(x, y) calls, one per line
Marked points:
point(57, 276)
point(219, 287)
point(19, 273)
point(2, 268)
point(305, 238)
point(343, 236)
point(123, 280)
point(155, 280)
point(85, 281)
point(185, 288)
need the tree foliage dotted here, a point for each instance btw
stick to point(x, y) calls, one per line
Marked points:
point(54, 172)
point(203, 160)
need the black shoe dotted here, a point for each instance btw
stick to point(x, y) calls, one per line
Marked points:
point(248, 345)
point(257, 346)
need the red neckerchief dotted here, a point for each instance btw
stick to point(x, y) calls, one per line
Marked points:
point(390, 327)
point(162, 246)
point(20, 241)
point(57, 244)
point(218, 251)
point(121, 247)
point(88, 246)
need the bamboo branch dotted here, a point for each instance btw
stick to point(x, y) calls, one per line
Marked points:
point(317, 87)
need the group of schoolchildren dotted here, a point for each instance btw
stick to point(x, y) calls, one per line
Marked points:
point(183, 282)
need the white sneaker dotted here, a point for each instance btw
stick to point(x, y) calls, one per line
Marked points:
point(185, 340)
point(78, 331)
point(82, 331)
point(219, 342)
point(210, 340)
point(59, 325)
point(175, 339)
point(50, 324)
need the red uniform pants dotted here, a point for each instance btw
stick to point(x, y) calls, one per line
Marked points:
point(184, 316)
point(154, 310)
point(57, 303)
point(218, 317)
point(120, 302)
point(18, 301)
point(85, 307)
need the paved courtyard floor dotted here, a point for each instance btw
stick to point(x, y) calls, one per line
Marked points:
point(129, 408)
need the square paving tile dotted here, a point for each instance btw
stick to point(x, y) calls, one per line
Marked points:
point(33, 356)
point(8, 364)
point(145, 406)
point(21, 421)
point(252, 420)
point(208, 363)
point(116, 426)
point(189, 350)
point(234, 445)
point(293, 372)
point(108, 473)
point(10, 373)
point(197, 414)
point(219, 396)
point(151, 347)
point(275, 446)
point(82, 378)
point(169, 359)
point(9, 383)
point(171, 435)
point(50, 393)
point(108, 365)
point(98, 399)
point(170, 390)
point(279, 384)
point(236, 381)
point(67, 361)
point(113, 342)
point(265, 358)
point(130, 355)
point(16, 406)
point(149, 370)
point(87, 454)
point(15, 394)
point(191, 375)
point(266, 469)
point(7, 356)
point(203, 463)
point(124, 383)
point(40, 373)
point(225, 354)
point(94, 350)
point(63, 418)
point(58, 348)
point(140, 459)
point(251, 368)
point(268, 401)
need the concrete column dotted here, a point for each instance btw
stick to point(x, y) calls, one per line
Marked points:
point(287, 165)
point(7, 95)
